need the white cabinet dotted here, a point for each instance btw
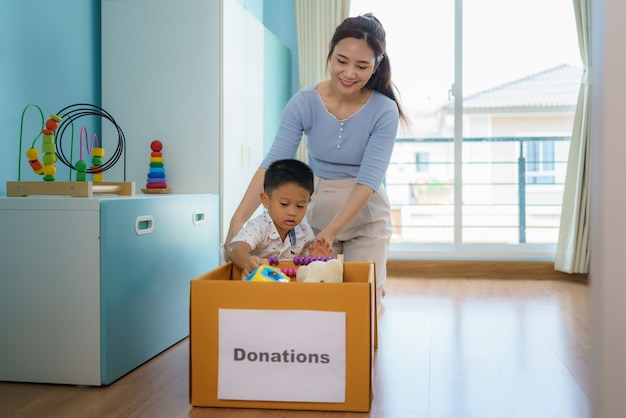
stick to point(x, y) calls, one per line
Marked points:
point(242, 103)
point(190, 73)
point(242, 87)
point(91, 288)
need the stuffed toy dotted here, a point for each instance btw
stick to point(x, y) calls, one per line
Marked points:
point(330, 271)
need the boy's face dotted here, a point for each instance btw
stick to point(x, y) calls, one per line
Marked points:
point(286, 206)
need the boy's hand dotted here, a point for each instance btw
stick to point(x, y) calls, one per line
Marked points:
point(252, 263)
point(320, 248)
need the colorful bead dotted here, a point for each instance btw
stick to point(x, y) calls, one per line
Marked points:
point(289, 271)
point(36, 166)
point(56, 117)
point(49, 170)
point(96, 162)
point(305, 260)
point(32, 153)
point(48, 148)
point(49, 159)
point(81, 166)
point(81, 170)
point(156, 145)
point(52, 124)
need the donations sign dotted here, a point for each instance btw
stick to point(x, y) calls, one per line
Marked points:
point(282, 355)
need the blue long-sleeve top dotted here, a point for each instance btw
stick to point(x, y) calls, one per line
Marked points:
point(358, 147)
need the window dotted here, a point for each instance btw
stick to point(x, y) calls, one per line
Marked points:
point(421, 162)
point(462, 181)
point(540, 162)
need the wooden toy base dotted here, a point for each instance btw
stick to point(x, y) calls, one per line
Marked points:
point(69, 188)
point(164, 190)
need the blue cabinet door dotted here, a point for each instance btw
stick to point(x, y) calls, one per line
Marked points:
point(150, 249)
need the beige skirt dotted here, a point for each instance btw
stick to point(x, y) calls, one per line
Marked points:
point(367, 237)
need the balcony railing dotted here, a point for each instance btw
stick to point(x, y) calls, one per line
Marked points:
point(511, 189)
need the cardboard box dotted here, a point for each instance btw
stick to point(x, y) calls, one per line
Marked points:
point(221, 292)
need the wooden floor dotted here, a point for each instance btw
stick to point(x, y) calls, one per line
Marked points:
point(448, 348)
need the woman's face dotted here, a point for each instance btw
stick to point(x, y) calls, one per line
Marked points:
point(351, 65)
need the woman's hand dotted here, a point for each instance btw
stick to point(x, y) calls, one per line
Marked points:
point(320, 248)
point(326, 237)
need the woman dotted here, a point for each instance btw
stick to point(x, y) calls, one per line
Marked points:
point(350, 121)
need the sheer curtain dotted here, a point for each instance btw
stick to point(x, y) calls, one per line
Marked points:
point(572, 250)
point(316, 22)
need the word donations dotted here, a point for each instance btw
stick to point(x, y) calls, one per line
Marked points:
point(287, 356)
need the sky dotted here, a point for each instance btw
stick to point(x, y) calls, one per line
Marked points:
point(503, 40)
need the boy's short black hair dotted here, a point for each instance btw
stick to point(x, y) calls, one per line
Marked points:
point(288, 171)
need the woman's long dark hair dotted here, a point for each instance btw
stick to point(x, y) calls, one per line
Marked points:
point(369, 28)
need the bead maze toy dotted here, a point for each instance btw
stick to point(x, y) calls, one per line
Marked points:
point(156, 183)
point(272, 272)
point(52, 132)
point(297, 261)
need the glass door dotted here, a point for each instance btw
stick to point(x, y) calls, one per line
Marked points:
point(521, 73)
point(490, 87)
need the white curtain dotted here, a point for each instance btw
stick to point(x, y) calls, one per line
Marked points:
point(316, 21)
point(573, 248)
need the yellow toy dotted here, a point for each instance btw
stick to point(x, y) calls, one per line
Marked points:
point(266, 273)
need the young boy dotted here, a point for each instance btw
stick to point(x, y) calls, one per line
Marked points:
point(281, 231)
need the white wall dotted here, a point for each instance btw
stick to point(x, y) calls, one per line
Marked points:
point(608, 193)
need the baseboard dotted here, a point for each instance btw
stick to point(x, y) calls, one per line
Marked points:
point(479, 269)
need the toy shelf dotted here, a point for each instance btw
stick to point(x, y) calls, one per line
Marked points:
point(69, 188)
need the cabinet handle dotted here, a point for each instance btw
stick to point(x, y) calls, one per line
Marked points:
point(144, 225)
point(199, 216)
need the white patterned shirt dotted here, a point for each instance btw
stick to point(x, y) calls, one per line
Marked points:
point(263, 237)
